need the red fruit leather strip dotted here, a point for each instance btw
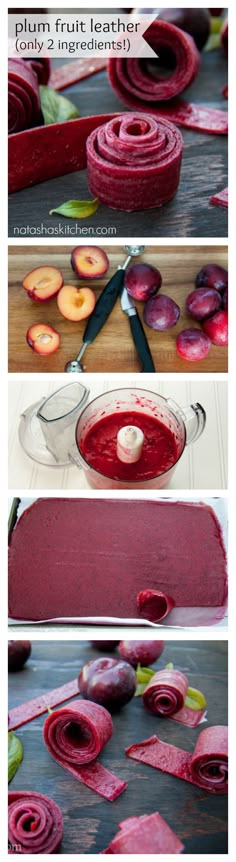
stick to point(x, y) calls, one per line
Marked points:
point(25, 712)
point(143, 91)
point(165, 695)
point(71, 73)
point(207, 767)
point(27, 809)
point(221, 199)
point(154, 605)
point(95, 728)
point(45, 152)
point(146, 834)
point(23, 96)
point(134, 162)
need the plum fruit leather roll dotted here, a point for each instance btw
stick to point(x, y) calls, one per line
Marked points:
point(134, 162)
point(35, 823)
point(75, 736)
point(154, 87)
point(23, 96)
point(166, 692)
point(146, 834)
point(207, 767)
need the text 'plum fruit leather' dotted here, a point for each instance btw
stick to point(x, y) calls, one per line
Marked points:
point(207, 767)
point(165, 696)
point(23, 96)
point(134, 162)
point(146, 834)
point(75, 736)
point(35, 823)
point(141, 87)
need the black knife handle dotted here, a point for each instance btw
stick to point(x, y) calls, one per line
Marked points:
point(141, 343)
point(104, 306)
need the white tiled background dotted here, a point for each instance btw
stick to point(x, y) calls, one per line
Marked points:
point(202, 466)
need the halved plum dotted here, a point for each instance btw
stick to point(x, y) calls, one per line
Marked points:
point(76, 303)
point(43, 282)
point(43, 339)
point(89, 261)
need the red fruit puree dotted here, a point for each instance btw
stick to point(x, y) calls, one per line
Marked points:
point(158, 455)
point(92, 557)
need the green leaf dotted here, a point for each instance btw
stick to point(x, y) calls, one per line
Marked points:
point(15, 754)
point(213, 42)
point(77, 209)
point(55, 108)
point(169, 666)
point(195, 699)
point(144, 674)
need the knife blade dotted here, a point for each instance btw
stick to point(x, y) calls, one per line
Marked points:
point(138, 334)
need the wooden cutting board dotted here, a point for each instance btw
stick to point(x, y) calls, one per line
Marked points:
point(113, 350)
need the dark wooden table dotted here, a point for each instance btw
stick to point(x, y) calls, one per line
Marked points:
point(197, 817)
point(189, 214)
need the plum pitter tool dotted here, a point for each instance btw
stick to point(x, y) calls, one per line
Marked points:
point(102, 310)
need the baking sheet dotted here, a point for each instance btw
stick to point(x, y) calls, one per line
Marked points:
point(218, 504)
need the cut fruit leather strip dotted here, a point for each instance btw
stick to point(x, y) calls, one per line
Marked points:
point(154, 605)
point(23, 96)
point(207, 767)
point(146, 834)
point(35, 823)
point(70, 73)
point(45, 152)
point(134, 162)
point(165, 695)
point(221, 199)
point(143, 90)
point(25, 712)
point(75, 736)
point(61, 590)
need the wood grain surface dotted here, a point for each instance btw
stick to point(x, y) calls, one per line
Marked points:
point(203, 173)
point(198, 818)
point(113, 350)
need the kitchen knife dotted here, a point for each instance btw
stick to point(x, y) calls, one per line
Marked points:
point(137, 330)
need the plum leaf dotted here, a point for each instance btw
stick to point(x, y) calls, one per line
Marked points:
point(55, 108)
point(77, 209)
point(15, 754)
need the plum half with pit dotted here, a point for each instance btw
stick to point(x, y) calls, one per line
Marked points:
point(192, 344)
point(43, 339)
point(142, 281)
point(108, 681)
point(89, 261)
point(18, 654)
point(141, 652)
point(203, 302)
point(161, 312)
point(212, 275)
point(216, 328)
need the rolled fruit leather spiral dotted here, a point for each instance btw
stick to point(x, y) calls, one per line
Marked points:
point(75, 735)
point(23, 96)
point(165, 696)
point(146, 834)
point(140, 88)
point(207, 767)
point(134, 162)
point(35, 823)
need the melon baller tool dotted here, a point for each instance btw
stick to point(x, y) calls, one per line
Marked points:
point(103, 308)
